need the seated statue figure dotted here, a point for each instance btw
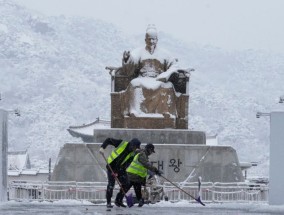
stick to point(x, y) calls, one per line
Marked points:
point(151, 92)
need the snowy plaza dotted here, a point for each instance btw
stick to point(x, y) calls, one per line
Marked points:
point(79, 208)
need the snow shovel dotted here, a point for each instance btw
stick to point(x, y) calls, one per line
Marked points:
point(198, 199)
point(129, 199)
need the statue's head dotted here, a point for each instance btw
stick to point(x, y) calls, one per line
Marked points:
point(151, 38)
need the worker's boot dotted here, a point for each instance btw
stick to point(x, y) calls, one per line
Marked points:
point(118, 200)
point(109, 205)
point(141, 203)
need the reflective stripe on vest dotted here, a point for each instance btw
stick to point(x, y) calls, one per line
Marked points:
point(137, 168)
point(116, 152)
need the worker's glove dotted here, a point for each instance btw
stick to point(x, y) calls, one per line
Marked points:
point(158, 172)
point(102, 151)
point(150, 174)
point(114, 174)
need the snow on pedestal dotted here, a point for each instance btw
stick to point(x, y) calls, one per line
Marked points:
point(276, 175)
point(3, 155)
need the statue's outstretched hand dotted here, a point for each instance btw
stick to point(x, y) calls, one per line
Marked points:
point(126, 55)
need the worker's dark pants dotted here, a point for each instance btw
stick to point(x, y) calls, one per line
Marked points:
point(122, 177)
point(137, 188)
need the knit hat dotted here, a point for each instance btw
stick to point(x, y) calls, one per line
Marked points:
point(135, 142)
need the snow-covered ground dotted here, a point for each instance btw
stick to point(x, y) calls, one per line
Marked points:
point(73, 207)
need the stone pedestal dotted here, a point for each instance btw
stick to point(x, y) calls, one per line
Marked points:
point(181, 154)
point(179, 162)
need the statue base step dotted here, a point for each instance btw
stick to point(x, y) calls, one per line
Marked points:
point(150, 123)
point(162, 136)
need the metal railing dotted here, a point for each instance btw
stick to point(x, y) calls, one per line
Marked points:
point(220, 192)
point(95, 191)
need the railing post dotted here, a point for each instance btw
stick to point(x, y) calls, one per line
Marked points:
point(213, 192)
point(43, 192)
point(76, 191)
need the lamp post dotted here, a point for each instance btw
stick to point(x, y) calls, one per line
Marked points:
point(3, 153)
point(276, 175)
point(4, 150)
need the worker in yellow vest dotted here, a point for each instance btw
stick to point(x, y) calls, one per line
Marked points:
point(138, 170)
point(119, 159)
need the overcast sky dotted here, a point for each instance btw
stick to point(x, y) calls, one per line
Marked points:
point(229, 24)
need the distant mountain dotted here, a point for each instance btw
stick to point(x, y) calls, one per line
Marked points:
point(53, 70)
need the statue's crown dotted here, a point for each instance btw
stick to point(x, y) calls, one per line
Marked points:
point(151, 30)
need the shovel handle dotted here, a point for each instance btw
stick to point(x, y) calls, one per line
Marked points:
point(120, 185)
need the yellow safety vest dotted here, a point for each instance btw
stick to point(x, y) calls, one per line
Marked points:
point(116, 152)
point(137, 168)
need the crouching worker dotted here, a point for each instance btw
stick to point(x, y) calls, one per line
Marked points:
point(118, 160)
point(137, 172)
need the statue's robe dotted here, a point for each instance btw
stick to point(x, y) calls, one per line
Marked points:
point(149, 93)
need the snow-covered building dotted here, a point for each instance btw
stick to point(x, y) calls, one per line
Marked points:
point(86, 131)
point(19, 168)
point(28, 175)
point(18, 160)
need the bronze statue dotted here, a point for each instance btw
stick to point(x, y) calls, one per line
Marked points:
point(152, 84)
point(150, 92)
